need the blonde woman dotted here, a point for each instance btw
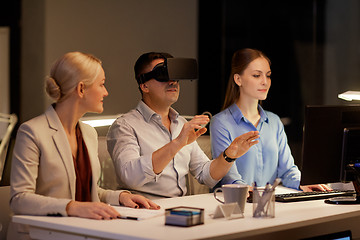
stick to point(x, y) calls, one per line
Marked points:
point(55, 166)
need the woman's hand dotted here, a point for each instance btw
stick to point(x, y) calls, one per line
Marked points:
point(242, 144)
point(316, 187)
point(135, 201)
point(93, 210)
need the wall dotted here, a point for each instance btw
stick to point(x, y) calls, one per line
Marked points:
point(342, 49)
point(4, 70)
point(32, 59)
point(116, 31)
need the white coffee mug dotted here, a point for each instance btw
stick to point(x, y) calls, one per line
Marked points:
point(233, 193)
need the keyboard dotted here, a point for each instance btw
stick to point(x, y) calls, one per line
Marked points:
point(305, 196)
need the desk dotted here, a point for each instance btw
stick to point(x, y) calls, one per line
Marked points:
point(292, 221)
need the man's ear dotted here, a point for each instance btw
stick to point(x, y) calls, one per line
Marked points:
point(237, 79)
point(144, 87)
point(80, 89)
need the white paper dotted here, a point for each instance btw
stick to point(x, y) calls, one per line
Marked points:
point(139, 213)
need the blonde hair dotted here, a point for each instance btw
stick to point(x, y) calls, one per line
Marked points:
point(239, 62)
point(68, 71)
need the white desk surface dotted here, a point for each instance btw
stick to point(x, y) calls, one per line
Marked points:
point(287, 216)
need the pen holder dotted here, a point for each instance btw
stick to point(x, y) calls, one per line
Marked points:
point(263, 203)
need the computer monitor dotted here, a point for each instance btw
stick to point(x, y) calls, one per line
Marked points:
point(323, 136)
point(351, 157)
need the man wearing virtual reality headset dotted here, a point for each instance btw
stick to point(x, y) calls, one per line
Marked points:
point(153, 147)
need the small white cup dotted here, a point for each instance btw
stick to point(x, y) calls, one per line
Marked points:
point(233, 193)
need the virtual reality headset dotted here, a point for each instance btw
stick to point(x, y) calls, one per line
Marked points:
point(172, 69)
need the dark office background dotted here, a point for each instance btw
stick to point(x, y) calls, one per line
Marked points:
point(10, 12)
point(292, 34)
point(272, 27)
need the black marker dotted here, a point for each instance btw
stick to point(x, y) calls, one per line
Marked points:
point(127, 217)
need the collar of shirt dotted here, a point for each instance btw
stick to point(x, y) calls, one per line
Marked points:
point(238, 116)
point(148, 113)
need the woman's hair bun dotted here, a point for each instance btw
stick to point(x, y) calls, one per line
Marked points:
point(52, 88)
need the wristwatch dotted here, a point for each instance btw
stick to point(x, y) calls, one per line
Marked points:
point(228, 159)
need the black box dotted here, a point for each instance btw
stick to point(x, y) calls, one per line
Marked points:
point(184, 216)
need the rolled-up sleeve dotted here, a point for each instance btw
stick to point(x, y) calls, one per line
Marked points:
point(200, 166)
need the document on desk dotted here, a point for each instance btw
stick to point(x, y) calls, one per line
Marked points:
point(283, 190)
point(138, 213)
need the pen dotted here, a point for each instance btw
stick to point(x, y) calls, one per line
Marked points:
point(267, 186)
point(265, 198)
point(255, 192)
point(128, 217)
point(262, 201)
point(276, 182)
